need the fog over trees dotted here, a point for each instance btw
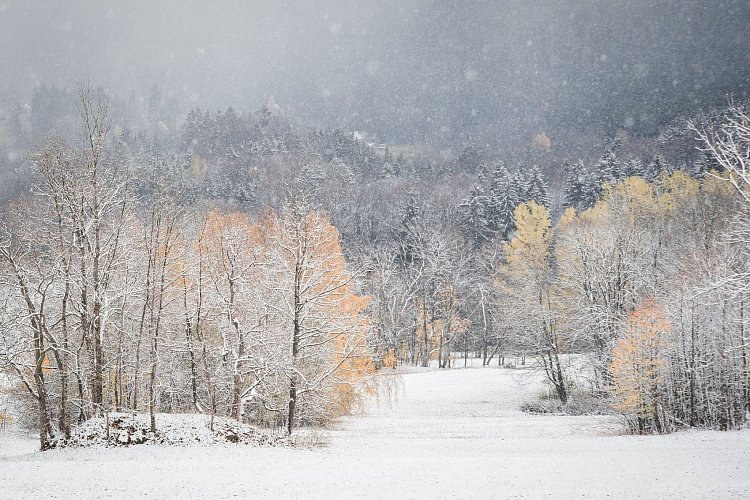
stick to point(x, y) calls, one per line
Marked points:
point(265, 211)
point(414, 72)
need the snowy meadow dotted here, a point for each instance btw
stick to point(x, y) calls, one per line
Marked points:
point(391, 249)
point(450, 434)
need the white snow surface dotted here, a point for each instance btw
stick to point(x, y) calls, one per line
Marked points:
point(172, 429)
point(452, 434)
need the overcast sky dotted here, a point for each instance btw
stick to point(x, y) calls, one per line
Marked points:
point(400, 69)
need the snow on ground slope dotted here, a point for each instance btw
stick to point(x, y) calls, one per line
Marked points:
point(454, 433)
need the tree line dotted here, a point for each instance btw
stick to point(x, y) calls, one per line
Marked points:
point(254, 269)
point(120, 296)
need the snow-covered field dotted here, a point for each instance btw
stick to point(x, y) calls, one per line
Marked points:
point(454, 433)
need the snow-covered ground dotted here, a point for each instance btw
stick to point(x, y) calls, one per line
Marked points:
point(454, 433)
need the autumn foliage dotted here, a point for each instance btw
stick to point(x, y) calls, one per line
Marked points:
point(638, 364)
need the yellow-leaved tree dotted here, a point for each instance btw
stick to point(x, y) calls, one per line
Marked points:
point(529, 251)
point(528, 282)
point(605, 257)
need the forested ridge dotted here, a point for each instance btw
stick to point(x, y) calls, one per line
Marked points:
point(251, 266)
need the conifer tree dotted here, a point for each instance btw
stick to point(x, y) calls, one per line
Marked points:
point(503, 199)
point(190, 131)
point(608, 170)
point(474, 215)
point(633, 168)
point(520, 185)
point(655, 168)
point(575, 191)
point(537, 189)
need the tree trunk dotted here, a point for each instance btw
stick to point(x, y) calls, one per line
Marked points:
point(237, 376)
point(426, 343)
point(693, 341)
point(191, 350)
point(63, 421)
point(744, 343)
point(44, 422)
point(295, 349)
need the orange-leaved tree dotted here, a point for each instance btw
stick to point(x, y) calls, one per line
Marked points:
point(637, 365)
point(316, 315)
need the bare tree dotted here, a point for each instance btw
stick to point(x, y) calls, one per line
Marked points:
point(728, 144)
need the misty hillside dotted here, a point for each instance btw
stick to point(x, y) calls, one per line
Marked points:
point(415, 72)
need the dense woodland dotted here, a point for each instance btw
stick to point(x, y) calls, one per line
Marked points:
point(251, 266)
